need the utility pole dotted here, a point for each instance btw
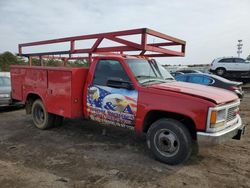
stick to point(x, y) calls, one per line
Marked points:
point(239, 47)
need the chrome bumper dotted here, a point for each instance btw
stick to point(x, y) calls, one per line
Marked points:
point(234, 132)
point(5, 101)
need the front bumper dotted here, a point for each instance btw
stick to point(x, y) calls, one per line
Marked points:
point(232, 132)
point(240, 94)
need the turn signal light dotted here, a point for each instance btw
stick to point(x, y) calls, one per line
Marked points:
point(213, 117)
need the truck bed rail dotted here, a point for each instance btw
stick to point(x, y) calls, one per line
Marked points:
point(143, 48)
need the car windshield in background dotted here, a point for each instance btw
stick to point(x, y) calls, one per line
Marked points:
point(148, 71)
point(4, 82)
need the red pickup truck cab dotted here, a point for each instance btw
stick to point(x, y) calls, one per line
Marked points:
point(135, 93)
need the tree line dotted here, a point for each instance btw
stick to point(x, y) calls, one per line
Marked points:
point(7, 59)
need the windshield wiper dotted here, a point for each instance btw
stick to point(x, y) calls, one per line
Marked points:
point(153, 80)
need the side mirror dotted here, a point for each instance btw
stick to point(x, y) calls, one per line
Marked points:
point(117, 83)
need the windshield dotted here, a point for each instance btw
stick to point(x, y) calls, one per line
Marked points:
point(4, 81)
point(148, 71)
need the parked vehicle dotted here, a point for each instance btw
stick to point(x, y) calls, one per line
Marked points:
point(5, 89)
point(212, 80)
point(232, 65)
point(132, 92)
point(186, 71)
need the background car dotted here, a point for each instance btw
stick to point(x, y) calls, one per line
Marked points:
point(212, 80)
point(186, 71)
point(221, 66)
point(5, 89)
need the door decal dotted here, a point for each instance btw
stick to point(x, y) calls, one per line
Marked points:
point(112, 106)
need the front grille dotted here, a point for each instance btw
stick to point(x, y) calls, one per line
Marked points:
point(231, 114)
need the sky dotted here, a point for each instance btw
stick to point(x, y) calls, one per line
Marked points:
point(211, 28)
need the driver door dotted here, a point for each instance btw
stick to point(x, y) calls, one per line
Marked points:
point(111, 105)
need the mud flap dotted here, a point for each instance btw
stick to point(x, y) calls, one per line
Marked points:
point(239, 133)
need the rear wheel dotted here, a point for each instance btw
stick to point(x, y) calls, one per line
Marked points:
point(169, 141)
point(41, 118)
point(220, 71)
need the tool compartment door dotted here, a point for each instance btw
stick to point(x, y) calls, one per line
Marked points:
point(58, 100)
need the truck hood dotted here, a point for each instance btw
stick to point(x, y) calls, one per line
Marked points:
point(216, 95)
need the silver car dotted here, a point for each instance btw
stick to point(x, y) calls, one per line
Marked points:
point(5, 89)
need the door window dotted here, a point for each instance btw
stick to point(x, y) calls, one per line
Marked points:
point(196, 79)
point(181, 78)
point(201, 80)
point(239, 60)
point(106, 69)
point(227, 60)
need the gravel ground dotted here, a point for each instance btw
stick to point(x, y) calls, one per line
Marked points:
point(78, 154)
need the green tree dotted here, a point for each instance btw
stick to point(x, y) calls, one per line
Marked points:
point(7, 59)
point(78, 63)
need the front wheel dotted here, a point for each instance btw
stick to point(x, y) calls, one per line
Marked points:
point(41, 118)
point(169, 141)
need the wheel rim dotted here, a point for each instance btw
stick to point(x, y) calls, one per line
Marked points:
point(39, 115)
point(220, 72)
point(166, 142)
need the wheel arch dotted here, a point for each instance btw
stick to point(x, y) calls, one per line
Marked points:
point(30, 98)
point(220, 68)
point(155, 115)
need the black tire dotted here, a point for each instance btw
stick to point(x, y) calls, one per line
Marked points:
point(58, 120)
point(220, 71)
point(169, 141)
point(41, 118)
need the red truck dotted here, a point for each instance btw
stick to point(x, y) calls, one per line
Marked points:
point(131, 91)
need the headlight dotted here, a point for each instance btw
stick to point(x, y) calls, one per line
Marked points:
point(221, 116)
point(217, 119)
